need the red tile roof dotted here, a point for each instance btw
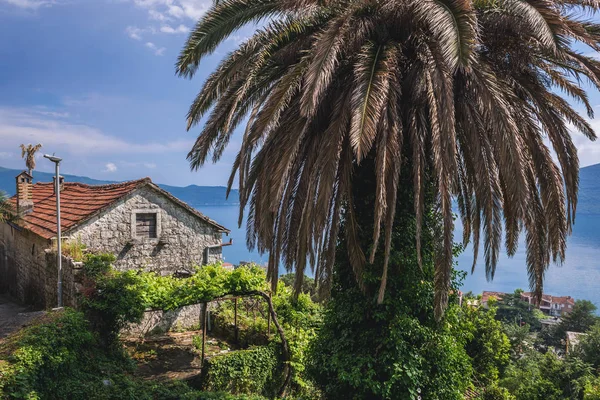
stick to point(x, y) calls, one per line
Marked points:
point(486, 295)
point(545, 297)
point(552, 299)
point(80, 202)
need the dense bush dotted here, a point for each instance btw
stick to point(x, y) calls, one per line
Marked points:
point(588, 349)
point(252, 371)
point(111, 299)
point(59, 357)
point(300, 318)
point(537, 376)
point(487, 344)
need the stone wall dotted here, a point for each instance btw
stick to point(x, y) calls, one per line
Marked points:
point(158, 321)
point(182, 237)
point(23, 265)
point(70, 288)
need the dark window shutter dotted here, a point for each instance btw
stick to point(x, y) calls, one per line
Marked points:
point(145, 225)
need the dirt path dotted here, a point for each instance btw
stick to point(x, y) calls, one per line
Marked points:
point(13, 316)
point(172, 356)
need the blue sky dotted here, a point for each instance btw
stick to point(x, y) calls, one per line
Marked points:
point(94, 81)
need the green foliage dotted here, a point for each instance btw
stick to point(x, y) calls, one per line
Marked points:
point(487, 345)
point(495, 392)
point(512, 310)
point(300, 319)
point(581, 318)
point(588, 347)
point(308, 284)
point(591, 389)
point(396, 349)
point(547, 377)
point(73, 248)
point(245, 371)
point(518, 337)
point(60, 358)
point(207, 283)
point(111, 299)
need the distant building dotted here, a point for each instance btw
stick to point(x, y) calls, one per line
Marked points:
point(485, 296)
point(143, 225)
point(552, 305)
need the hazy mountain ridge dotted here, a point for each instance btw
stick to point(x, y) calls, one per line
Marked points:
point(589, 189)
point(194, 195)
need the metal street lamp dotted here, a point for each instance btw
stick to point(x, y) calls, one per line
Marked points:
point(56, 161)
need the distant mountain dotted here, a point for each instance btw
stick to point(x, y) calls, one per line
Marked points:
point(194, 195)
point(589, 190)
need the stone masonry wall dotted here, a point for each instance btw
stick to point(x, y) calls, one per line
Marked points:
point(182, 237)
point(23, 265)
point(70, 270)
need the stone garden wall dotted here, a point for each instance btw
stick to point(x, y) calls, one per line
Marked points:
point(23, 265)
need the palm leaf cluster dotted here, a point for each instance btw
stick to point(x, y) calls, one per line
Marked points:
point(28, 154)
point(467, 88)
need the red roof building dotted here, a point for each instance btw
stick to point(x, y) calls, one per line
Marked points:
point(551, 305)
point(144, 226)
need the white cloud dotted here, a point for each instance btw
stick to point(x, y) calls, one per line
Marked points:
point(110, 167)
point(169, 29)
point(587, 150)
point(134, 32)
point(165, 10)
point(66, 137)
point(130, 164)
point(158, 16)
point(29, 4)
point(158, 51)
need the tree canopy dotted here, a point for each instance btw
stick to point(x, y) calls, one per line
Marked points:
point(461, 92)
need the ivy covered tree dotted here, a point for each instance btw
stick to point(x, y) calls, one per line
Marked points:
point(363, 121)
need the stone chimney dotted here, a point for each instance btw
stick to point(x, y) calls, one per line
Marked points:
point(61, 182)
point(24, 193)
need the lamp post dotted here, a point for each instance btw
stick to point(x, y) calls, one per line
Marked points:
point(56, 161)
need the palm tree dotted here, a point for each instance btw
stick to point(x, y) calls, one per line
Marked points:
point(460, 94)
point(28, 153)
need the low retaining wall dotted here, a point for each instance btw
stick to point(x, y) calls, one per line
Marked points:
point(159, 322)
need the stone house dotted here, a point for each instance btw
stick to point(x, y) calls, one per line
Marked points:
point(142, 224)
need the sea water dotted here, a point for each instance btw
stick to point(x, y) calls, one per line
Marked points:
point(579, 276)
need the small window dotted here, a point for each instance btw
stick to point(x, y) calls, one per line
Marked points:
point(145, 225)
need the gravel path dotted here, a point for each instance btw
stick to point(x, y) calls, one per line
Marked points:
point(13, 316)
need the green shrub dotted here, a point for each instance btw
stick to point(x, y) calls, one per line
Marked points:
point(60, 358)
point(249, 371)
point(496, 393)
point(111, 299)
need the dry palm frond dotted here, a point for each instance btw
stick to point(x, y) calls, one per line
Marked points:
point(466, 89)
point(28, 153)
